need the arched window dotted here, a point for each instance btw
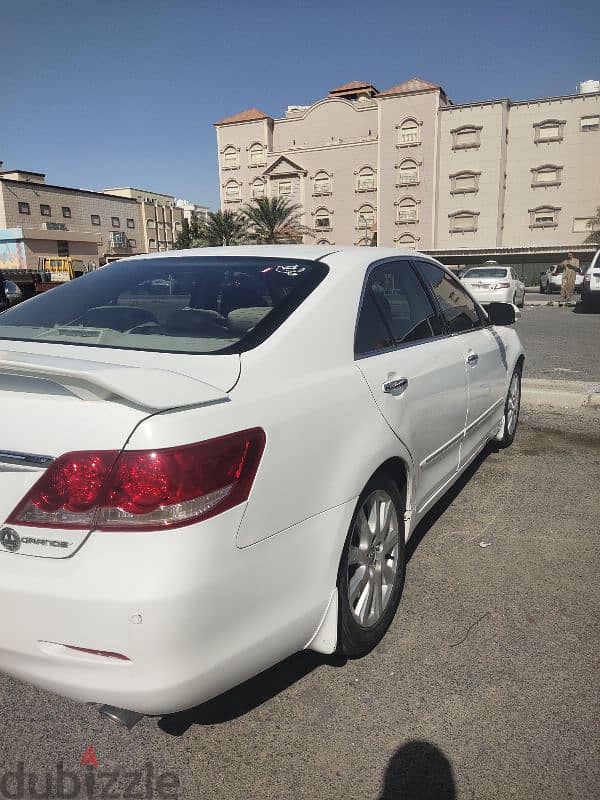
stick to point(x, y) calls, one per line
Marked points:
point(322, 183)
point(462, 221)
point(151, 243)
point(364, 242)
point(230, 157)
point(257, 155)
point(365, 217)
point(366, 179)
point(407, 210)
point(150, 223)
point(408, 132)
point(407, 242)
point(258, 188)
point(232, 191)
point(322, 219)
point(323, 241)
point(408, 172)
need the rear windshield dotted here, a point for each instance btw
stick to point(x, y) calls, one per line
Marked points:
point(487, 272)
point(179, 305)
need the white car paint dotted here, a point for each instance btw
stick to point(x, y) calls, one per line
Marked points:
point(551, 280)
point(505, 288)
point(199, 608)
point(590, 293)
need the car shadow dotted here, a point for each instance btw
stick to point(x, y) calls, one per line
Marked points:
point(418, 771)
point(446, 501)
point(263, 687)
point(248, 695)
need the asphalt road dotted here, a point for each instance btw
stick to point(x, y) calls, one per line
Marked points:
point(560, 343)
point(485, 687)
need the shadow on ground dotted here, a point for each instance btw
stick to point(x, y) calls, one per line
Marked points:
point(258, 690)
point(418, 771)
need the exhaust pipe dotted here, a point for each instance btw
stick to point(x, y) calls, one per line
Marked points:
point(122, 717)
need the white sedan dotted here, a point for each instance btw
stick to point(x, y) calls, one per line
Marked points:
point(494, 284)
point(195, 485)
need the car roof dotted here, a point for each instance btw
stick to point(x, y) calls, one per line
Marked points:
point(335, 256)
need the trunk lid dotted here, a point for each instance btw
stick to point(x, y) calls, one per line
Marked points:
point(56, 399)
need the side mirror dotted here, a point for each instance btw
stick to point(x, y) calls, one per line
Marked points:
point(501, 313)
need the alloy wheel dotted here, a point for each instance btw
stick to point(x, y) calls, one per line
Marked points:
point(513, 403)
point(373, 558)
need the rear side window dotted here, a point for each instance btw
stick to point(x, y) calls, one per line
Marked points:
point(179, 305)
point(395, 310)
point(458, 309)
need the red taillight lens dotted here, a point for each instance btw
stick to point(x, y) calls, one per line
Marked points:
point(144, 489)
point(502, 286)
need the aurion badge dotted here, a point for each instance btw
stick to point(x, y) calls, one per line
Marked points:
point(10, 539)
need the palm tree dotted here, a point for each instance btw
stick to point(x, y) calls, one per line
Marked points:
point(594, 224)
point(274, 220)
point(222, 228)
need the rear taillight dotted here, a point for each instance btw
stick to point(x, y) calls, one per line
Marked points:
point(502, 286)
point(144, 489)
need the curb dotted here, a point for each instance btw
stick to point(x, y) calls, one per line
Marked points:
point(560, 394)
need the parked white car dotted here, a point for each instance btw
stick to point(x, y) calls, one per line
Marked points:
point(195, 485)
point(551, 280)
point(590, 293)
point(494, 285)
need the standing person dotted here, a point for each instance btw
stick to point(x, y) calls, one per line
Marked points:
point(571, 265)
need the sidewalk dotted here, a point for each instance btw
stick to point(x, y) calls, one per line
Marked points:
point(560, 394)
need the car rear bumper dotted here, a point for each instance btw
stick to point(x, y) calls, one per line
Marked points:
point(193, 613)
point(498, 296)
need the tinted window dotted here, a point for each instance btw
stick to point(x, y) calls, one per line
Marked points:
point(191, 305)
point(487, 272)
point(459, 310)
point(395, 309)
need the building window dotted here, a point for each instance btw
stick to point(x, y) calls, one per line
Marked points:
point(150, 223)
point(130, 223)
point(365, 217)
point(95, 219)
point(407, 210)
point(585, 225)
point(543, 217)
point(549, 130)
point(24, 208)
point(66, 212)
point(257, 155)
point(115, 222)
point(322, 184)
point(132, 242)
point(232, 192)
point(407, 242)
point(463, 221)
point(466, 137)
point(151, 243)
point(45, 210)
point(590, 124)
point(284, 188)
point(324, 241)
point(366, 180)
point(62, 248)
point(464, 182)
point(546, 175)
point(258, 188)
point(178, 226)
point(408, 173)
point(408, 133)
point(322, 219)
point(230, 158)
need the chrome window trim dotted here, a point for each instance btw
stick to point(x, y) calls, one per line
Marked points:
point(24, 459)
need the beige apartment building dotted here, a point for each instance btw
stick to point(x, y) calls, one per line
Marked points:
point(513, 181)
point(160, 219)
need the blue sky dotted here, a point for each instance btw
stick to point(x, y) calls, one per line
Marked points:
point(124, 92)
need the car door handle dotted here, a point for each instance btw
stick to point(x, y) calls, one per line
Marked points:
point(472, 359)
point(395, 385)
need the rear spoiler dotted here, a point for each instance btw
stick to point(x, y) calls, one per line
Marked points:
point(151, 389)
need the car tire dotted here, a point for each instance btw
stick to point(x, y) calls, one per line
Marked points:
point(512, 407)
point(368, 559)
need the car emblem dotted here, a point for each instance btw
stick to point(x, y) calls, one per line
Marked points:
point(10, 539)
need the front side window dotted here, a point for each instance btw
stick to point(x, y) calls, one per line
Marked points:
point(395, 310)
point(458, 309)
point(45, 210)
point(176, 305)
